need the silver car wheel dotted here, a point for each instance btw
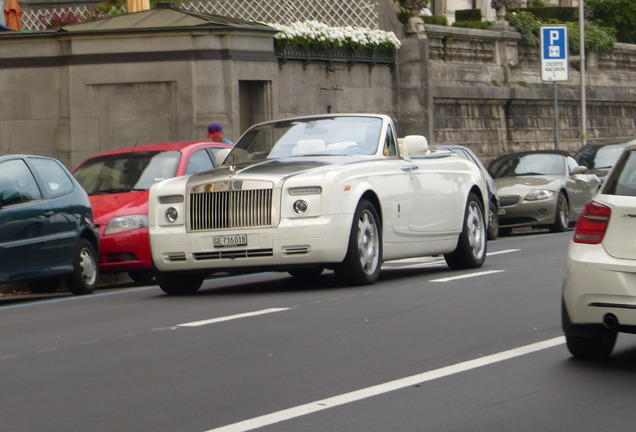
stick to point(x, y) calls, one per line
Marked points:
point(476, 230)
point(564, 213)
point(88, 267)
point(368, 242)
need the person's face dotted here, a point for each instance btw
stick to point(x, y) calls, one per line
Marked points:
point(218, 137)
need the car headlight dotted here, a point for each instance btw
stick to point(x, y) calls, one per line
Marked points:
point(539, 194)
point(126, 223)
point(303, 202)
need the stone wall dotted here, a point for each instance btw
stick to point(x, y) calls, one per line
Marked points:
point(72, 95)
point(487, 93)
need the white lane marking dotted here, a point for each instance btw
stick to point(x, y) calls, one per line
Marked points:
point(357, 395)
point(231, 317)
point(502, 252)
point(466, 276)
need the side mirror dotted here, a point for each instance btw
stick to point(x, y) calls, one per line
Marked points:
point(581, 169)
point(9, 197)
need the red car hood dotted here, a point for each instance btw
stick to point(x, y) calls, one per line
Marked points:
point(108, 206)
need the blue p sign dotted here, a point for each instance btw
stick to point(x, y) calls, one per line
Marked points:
point(554, 42)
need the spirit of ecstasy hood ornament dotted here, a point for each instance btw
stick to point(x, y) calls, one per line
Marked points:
point(232, 170)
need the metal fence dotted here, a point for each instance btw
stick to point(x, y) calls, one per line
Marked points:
point(356, 13)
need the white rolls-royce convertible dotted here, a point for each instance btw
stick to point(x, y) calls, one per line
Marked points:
point(301, 195)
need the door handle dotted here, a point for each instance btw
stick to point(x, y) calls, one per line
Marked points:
point(48, 213)
point(408, 167)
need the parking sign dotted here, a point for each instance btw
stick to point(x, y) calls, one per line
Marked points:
point(554, 53)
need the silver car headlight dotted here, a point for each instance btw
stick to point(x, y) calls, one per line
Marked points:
point(539, 194)
point(126, 223)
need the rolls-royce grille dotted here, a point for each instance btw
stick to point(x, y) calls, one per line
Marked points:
point(231, 209)
point(508, 200)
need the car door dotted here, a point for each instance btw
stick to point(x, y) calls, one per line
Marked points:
point(25, 241)
point(57, 186)
point(436, 198)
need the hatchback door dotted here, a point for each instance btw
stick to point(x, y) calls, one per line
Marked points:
point(26, 244)
point(620, 195)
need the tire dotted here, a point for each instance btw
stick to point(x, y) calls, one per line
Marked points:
point(561, 219)
point(363, 261)
point(83, 279)
point(177, 284)
point(587, 342)
point(306, 274)
point(493, 221)
point(471, 246)
point(141, 275)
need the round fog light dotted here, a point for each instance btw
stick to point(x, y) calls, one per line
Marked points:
point(300, 207)
point(172, 214)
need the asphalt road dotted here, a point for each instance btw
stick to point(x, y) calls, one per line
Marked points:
point(424, 349)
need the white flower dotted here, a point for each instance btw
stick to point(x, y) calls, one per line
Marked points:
point(314, 32)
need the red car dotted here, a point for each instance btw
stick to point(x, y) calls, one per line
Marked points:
point(117, 182)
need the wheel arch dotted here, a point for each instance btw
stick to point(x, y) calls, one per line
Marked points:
point(371, 196)
point(92, 237)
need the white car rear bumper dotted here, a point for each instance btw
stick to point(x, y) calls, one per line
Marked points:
point(596, 284)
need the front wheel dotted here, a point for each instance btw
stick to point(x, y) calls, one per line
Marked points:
point(176, 284)
point(83, 279)
point(562, 218)
point(471, 246)
point(363, 261)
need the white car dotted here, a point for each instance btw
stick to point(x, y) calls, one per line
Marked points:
point(599, 290)
point(331, 191)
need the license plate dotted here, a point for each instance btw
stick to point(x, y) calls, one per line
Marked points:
point(230, 240)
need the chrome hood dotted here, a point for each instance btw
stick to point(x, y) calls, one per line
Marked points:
point(272, 169)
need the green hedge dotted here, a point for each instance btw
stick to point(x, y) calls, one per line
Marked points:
point(435, 19)
point(468, 15)
point(483, 25)
point(545, 14)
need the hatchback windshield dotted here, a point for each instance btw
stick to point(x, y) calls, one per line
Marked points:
point(322, 136)
point(126, 171)
point(527, 164)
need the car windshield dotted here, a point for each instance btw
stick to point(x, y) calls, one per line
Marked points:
point(125, 172)
point(527, 164)
point(353, 135)
point(600, 157)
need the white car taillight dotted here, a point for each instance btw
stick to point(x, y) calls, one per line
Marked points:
point(592, 224)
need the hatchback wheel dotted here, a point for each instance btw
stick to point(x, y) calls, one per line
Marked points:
point(83, 279)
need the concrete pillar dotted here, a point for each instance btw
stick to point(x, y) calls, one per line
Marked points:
point(415, 101)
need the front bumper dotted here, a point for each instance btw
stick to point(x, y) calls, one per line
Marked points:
point(293, 243)
point(127, 251)
point(596, 284)
point(528, 213)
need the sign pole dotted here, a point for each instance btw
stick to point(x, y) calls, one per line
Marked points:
point(583, 99)
point(554, 65)
point(556, 116)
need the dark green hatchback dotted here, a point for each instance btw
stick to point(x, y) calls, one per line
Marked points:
point(46, 224)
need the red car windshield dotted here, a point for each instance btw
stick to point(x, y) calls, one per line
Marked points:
point(126, 172)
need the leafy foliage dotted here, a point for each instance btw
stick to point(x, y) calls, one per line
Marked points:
point(619, 14)
point(597, 38)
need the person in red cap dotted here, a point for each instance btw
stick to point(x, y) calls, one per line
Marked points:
point(215, 132)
